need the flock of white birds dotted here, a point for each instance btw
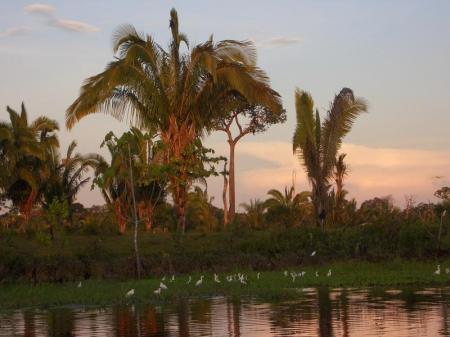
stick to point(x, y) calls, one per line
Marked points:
point(243, 279)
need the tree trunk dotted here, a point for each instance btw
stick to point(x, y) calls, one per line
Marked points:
point(120, 217)
point(225, 197)
point(232, 192)
point(180, 207)
point(135, 218)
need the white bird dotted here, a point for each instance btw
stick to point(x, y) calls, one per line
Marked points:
point(229, 278)
point(216, 278)
point(438, 270)
point(162, 286)
point(286, 273)
point(189, 280)
point(447, 270)
point(302, 273)
point(199, 282)
point(158, 291)
point(129, 293)
point(257, 276)
point(164, 278)
point(329, 273)
point(293, 275)
point(173, 278)
point(317, 273)
point(79, 285)
point(313, 253)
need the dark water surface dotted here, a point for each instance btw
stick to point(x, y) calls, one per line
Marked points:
point(318, 312)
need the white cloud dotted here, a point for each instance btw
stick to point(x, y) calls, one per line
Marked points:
point(48, 12)
point(373, 171)
point(278, 41)
point(72, 25)
point(15, 31)
point(40, 9)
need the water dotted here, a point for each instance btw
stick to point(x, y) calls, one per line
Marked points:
point(318, 312)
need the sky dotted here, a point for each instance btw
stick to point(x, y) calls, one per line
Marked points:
point(395, 54)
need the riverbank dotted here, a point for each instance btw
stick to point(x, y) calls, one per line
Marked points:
point(273, 285)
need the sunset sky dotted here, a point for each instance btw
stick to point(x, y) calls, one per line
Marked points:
point(395, 54)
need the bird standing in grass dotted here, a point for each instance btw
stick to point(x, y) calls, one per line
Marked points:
point(199, 282)
point(172, 279)
point(438, 270)
point(329, 273)
point(158, 291)
point(257, 276)
point(79, 285)
point(129, 293)
point(313, 253)
point(216, 278)
point(317, 273)
point(162, 286)
point(189, 279)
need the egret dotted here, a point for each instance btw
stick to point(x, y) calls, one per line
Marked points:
point(317, 273)
point(313, 253)
point(189, 280)
point(172, 279)
point(164, 278)
point(129, 293)
point(329, 273)
point(293, 275)
point(286, 273)
point(257, 276)
point(79, 284)
point(216, 278)
point(162, 286)
point(229, 278)
point(158, 291)
point(447, 270)
point(199, 282)
point(438, 270)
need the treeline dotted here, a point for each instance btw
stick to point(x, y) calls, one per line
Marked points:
point(155, 174)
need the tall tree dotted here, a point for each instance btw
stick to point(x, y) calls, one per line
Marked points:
point(247, 118)
point(254, 213)
point(317, 144)
point(24, 151)
point(178, 93)
point(339, 173)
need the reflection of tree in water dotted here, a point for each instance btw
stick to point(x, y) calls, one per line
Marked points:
point(344, 312)
point(183, 317)
point(296, 315)
point(60, 322)
point(201, 311)
point(29, 326)
point(325, 313)
point(444, 309)
point(234, 316)
point(125, 324)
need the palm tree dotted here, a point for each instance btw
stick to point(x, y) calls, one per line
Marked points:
point(317, 144)
point(294, 205)
point(67, 176)
point(201, 209)
point(254, 212)
point(175, 92)
point(24, 152)
point(339, 173)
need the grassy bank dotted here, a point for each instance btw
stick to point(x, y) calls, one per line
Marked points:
point(271, 285)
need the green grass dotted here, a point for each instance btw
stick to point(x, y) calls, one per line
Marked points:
point(272, 285)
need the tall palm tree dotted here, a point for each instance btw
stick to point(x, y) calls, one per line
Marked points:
point(294, 205)
point(173, 91)
point(24, 151)
point(339, 173)
point(317, 144)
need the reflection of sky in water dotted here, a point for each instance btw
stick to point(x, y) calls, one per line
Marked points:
point(322, 313)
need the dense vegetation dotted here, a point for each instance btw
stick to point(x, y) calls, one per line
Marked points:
point(158, 217)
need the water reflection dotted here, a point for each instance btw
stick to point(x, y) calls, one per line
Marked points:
point(318, 312)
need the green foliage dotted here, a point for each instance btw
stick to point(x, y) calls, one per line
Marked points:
point(317, 143)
